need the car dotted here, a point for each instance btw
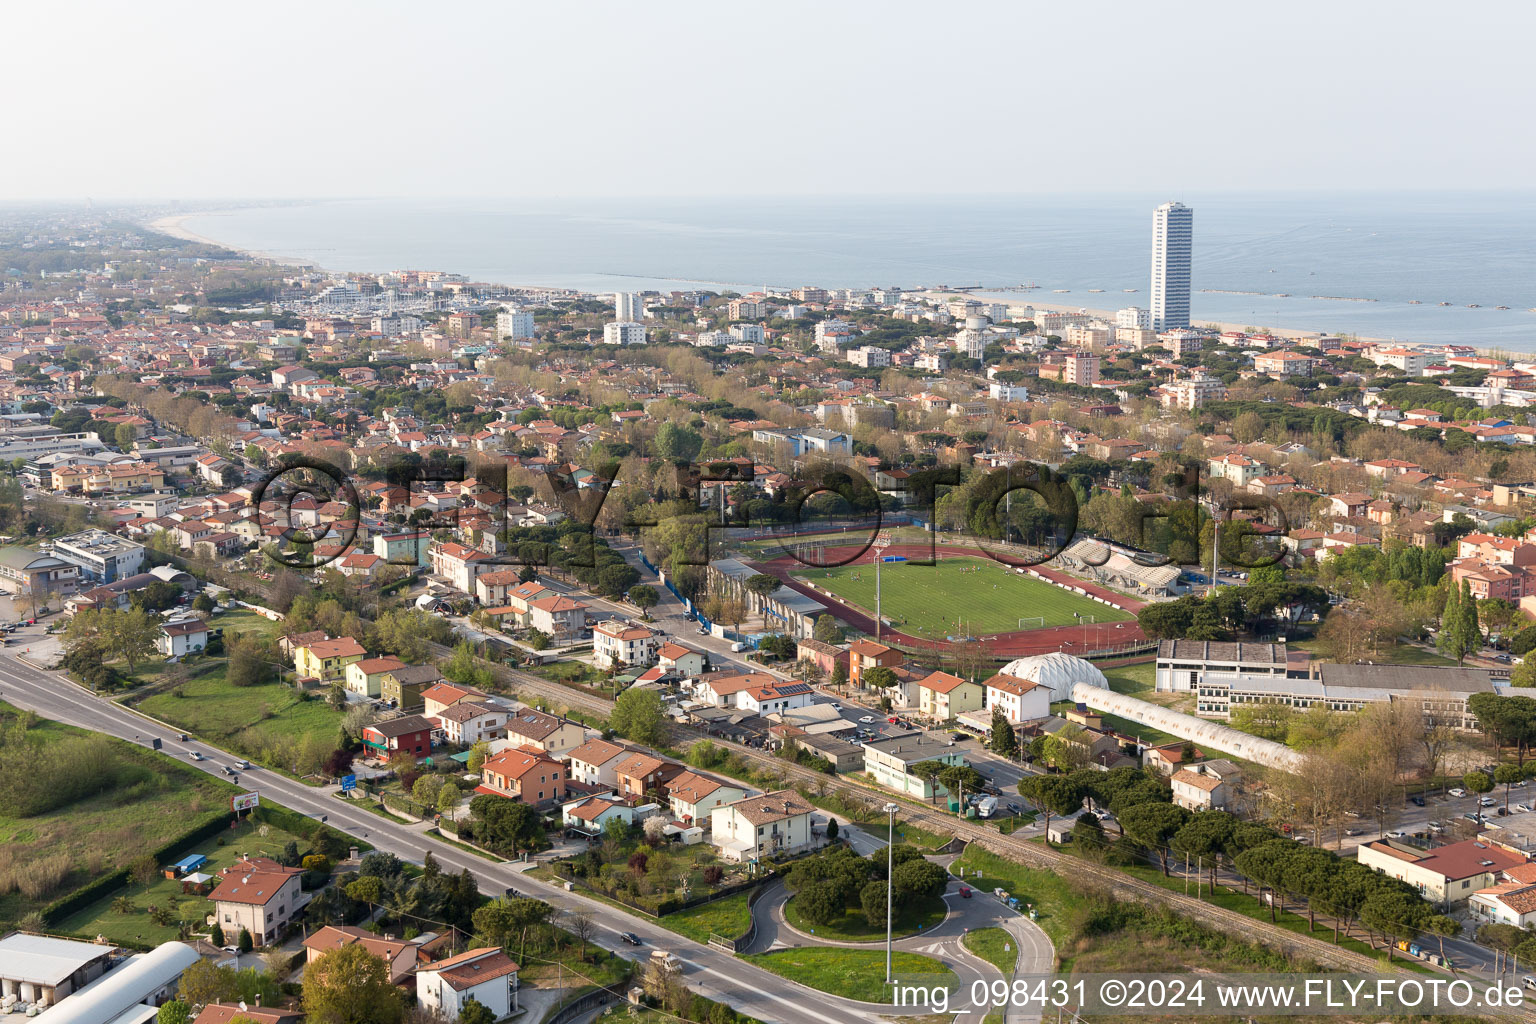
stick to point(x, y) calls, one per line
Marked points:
point(1436, 824)
point(227, 770)
point(1522, 783)
point(1528, 981)
point(1303, 840)
point(244, 766)
point(194, 755)
point(965, 892)
point(1523, 808)
point(1458, 792)
point(866, 719)
point(630, 937)
point(835, 706)
point(182, 737)
point(1396, 834)
point(1354, 831)
point(1486, 801)
point(1417, 801)
point(703, 631)
point(1501, 812)
point(511, 891)
point(1473, 817)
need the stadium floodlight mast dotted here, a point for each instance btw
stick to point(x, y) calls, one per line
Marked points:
point(881, 542)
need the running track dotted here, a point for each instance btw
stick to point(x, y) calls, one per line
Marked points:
point(1018, 644)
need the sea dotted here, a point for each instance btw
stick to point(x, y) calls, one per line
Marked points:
point(1376, 265)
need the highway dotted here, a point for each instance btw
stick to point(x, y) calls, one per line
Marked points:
point(711, 972)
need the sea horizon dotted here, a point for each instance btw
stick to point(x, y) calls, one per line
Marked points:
point(1344, 263)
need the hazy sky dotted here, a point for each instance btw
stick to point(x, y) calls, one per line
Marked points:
point(333, 98)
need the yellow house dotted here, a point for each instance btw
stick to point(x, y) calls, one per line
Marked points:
point(943, 696)
point(327, 660)
point(366, 677)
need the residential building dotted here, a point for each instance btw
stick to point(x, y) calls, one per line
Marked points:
point(259, 895)
point(514, 325)
point(409, 734)
point(1080, 368)
point(639, 775)
point(942, 696)
point(327, 660)
point(470, 721)
point(486, 975)
point(594, 763)
point(866, 654)
point(400, 955)
point(183, 637)
point(693, 796)
point(366, 677)
point(889, 760)
point(101, 556)
point(681, 661)
point(1172, 250)
point(1193, 392)
point(1207, 786)
point(623, 333)
point(408, 548)
point(443, 695)
point(627, 307)
point(403, 687)
point(527, 775)
point(774, 824)
point(550, 734)
point(1020, 700)
point(618, 644)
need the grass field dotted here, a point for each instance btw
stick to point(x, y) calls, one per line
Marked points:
point(134, 925)
point(264, 723)
point(157, 802)
point(850, 973)
point(729, 917)
point(973, 595)
point(988, 944)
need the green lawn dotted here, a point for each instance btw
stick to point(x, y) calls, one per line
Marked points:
point(1124, 726)
point(988, 944)
point(976, 595)
point(850, 973)
point(1132, 679)
point(157, 801)
point(1052, 896)
point(268, 723)
point(729, 917)
point(253, 839)
point(905, 833)
point(910, 917)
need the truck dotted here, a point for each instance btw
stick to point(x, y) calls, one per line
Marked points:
point(986, 806)
point(665, 961)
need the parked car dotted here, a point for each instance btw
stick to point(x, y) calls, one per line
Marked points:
point(1486, 801)
point(1523, 808)
point(1458, 792)
point(1397, 834)
point(866, 719)
point(1417, 801)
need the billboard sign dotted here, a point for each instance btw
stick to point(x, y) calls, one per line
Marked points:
point(245, 801)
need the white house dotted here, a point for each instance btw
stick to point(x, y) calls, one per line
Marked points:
point(486, 975)
point(618, 643)
point(181, 638)
point(470, 721)
point(694, 796)
point(1207, 786)
point(1020, 700)
point(593, 763)
point(681, 661)
point(1511, 903)
point(763, 826)
point(259, 895)
point(590, 813)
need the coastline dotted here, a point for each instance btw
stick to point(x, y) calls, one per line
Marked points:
point(175, 226)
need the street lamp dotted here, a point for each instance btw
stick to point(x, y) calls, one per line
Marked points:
point(890, 846)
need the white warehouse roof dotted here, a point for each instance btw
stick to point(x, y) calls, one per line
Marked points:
point(40, 960)
point(1199, 730)
point(119, 990)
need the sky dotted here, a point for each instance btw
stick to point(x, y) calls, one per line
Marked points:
point(273, 99)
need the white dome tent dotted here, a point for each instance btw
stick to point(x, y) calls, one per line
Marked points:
point(1057, 672)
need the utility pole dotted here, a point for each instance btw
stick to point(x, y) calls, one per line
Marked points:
point(890, 846)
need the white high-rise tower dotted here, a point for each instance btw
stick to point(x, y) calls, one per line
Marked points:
point(626, 307)
point(1172, 242)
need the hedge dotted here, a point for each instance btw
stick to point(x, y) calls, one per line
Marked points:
point(93, 891)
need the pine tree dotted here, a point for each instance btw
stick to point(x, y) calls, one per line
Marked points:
point(1470, 633)
point(1004, 742)
point(1446, 641)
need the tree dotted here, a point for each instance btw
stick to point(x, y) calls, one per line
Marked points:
point(929, 771)
point(580, 924)
point(1507, 775)
point(873, 900)
point(839, 676)
point(831, 829)
point(350, 985)
point(216, 934)
point(643, 597)
point(204, 982)
point(174, 1012)
point(677, 443)
point(638, 716)
point(819, 902)
point(1003, 741)
point(919, 877)
point(1053, 794)
point(245, 943)
point(1477, 783)
point(475, 1012)
point(1152, 826)
point(762, 584)
point(827, 630)
point(448, 797)
point(878, 678)
point(477, 755)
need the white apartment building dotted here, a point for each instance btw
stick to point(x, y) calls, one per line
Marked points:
point(515, 325)
point(752, 334)
point(770, 825)
point(486, 975)
point(869, 356)
point(1094, 336)
point(1193, 392)
point(1173, 226)
point(394, 326)
point(102, 557)
point(616, 643)
point(1133, 316)
point(627, 307)
point(623, 333)
point(1410, 361)
point(1002, 392)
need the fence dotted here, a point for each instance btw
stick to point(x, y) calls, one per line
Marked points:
point(582, 1005)
point(744, 940)
point(670, 905)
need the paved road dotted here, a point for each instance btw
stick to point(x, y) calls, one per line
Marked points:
point(712, 972)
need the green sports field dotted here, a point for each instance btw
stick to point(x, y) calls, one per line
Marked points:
point(987, 598)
